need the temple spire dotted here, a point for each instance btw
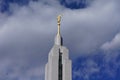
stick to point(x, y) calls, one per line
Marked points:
point(58, 38)
point(59, 66)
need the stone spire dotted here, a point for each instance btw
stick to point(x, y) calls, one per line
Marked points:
point(58, 38)
point(59, 66)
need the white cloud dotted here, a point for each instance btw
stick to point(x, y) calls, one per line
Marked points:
point(112, 45)
point(9, 69)
point(91, 27)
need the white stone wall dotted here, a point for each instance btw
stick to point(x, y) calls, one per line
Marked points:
point(51, 69)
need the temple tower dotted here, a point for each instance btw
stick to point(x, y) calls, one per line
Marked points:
point(59, 66)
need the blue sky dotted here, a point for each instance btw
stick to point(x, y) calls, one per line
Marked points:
point(90, 30)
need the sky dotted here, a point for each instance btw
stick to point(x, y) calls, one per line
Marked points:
point(90, 30)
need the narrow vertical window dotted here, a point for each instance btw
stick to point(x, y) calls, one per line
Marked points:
point(60, 66)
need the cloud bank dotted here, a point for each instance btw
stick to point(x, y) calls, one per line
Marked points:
point(114, 44)
point(28, 34)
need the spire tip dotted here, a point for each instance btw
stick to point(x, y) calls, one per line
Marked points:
point(58, 22)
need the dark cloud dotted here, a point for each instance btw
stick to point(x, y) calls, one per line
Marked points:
point(5, 4)
point(72, 4)
point(76, 4)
